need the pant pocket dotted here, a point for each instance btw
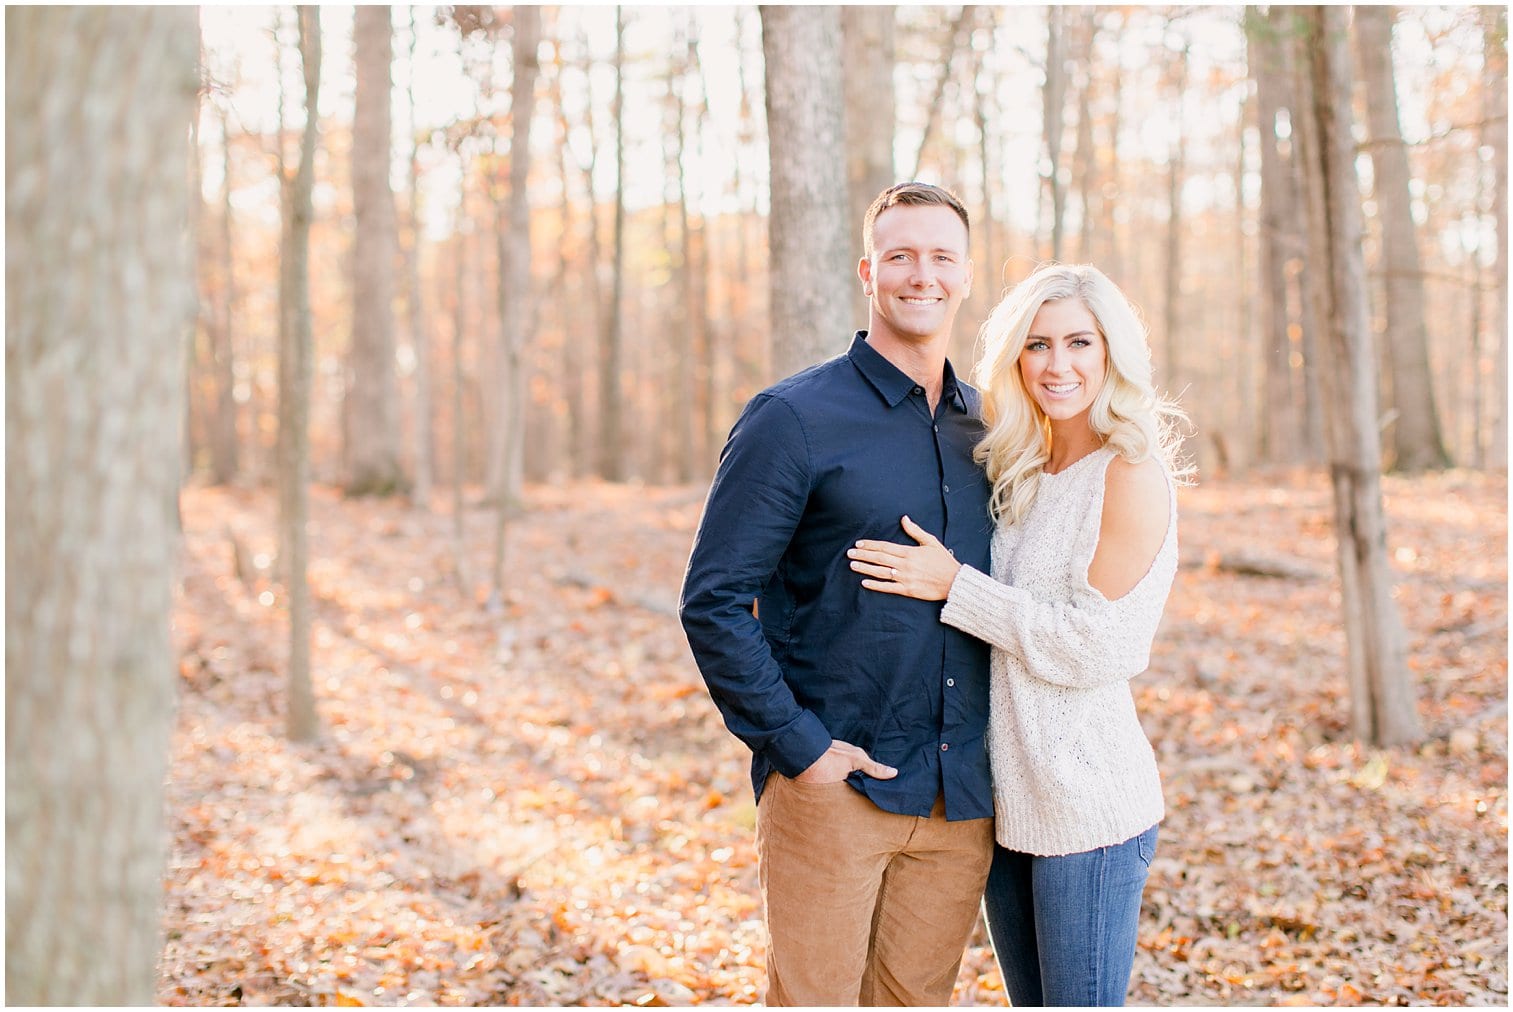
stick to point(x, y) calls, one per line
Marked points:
point(1145, 845)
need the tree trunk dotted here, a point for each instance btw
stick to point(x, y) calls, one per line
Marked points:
point(1495, 35)
point(739, 365)
point(611, 400)
point(274, 460)
point(572, 456)
point(1466, 430)
point(1415, 435)
point(701, 453)
point(749, 362)
point(811, 268)
point(1172, 303)
point(1270, 69)
point(1053, 120)
point(460, 263)
point(1238, 368)
point(100, 300)
point(691, 358)
point(515, 277)
point(672, 410)
point(223, 441)
point(423, 441)
point(199, 334)
point(1109, 222)
point(1312, 300)
point(296, 369)
point(372, 420)
point(867, 35)
point(1383, 711)
point(281, 449)
point(591, 459)
point(1085, 161)
point(989, 279)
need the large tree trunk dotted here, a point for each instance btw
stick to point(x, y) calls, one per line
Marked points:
point(296, 369)
point(1268, 57)
point(372, 418)
point(867, 38)
point(1495, 34)
point(99, 304)
point(423, 440)
point(515, 278)
point(611, 398)
point(1383, 710)
point(811, 267)
point(1415, 435)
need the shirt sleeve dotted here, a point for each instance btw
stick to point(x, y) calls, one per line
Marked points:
point(1083, 643)
point(755, 503)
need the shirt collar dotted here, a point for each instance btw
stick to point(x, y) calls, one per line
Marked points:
point(892, 382)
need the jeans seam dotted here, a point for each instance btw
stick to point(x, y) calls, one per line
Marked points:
point(1100, 924)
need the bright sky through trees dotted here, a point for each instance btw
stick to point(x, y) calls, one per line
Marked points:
point(239, 51)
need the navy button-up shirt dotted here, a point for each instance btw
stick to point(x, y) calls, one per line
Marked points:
point(827, 457)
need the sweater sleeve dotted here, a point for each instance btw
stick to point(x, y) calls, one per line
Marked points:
point(1083, 643)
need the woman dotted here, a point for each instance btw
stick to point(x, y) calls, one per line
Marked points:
point(1081, 455)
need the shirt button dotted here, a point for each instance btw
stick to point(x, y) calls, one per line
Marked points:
point(919, 390)
point(945, 488)
point(950, 682)
point(945, 747)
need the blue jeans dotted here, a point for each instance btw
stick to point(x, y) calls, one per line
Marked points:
point(1063, 928)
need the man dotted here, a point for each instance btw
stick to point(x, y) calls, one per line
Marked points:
point(865, 715)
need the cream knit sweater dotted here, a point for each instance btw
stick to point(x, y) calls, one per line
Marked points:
point(1072, 769)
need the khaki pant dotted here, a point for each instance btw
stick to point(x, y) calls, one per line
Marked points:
point(864, 907)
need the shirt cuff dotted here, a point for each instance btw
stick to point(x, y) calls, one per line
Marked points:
point(795, 749)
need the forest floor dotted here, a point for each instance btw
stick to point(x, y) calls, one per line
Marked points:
point(543, 807)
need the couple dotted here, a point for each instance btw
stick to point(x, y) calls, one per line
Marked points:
point(851, 500)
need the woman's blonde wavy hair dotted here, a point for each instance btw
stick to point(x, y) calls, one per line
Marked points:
point(1127, 413)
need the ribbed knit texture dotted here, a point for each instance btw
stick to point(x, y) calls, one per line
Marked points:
point(1072, 768)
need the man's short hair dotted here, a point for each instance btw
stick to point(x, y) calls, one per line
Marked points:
point(914, 194)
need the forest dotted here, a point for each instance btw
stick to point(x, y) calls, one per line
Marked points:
point(367, 368)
